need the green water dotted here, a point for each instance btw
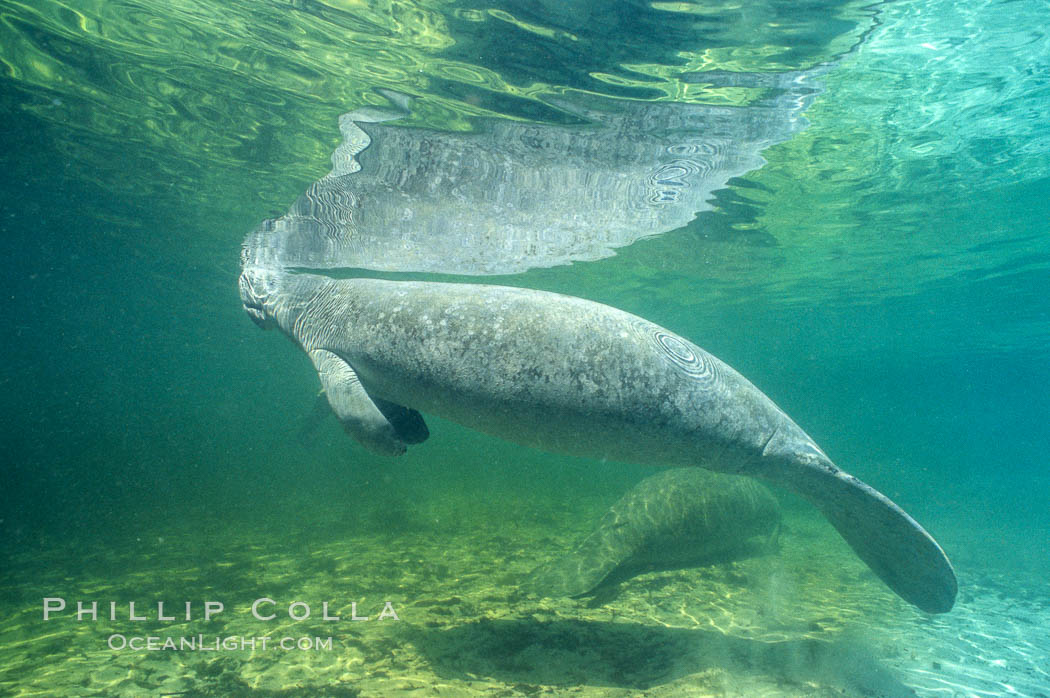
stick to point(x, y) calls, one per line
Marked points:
point(883, 277)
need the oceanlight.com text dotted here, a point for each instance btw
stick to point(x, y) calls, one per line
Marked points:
point(215, 643)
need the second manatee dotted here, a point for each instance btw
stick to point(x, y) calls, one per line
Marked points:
point(679, 518)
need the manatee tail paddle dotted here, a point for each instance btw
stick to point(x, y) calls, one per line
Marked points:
point(896, 548)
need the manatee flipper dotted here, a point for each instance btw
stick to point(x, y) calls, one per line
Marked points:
point(352, 404)
point(896, 548)
point(407, 422)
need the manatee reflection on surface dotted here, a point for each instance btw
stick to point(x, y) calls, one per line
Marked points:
point(512, 196)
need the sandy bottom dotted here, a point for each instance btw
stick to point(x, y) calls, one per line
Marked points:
point(807, 621)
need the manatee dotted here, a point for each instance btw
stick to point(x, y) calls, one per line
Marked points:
point(570, 376)
point(683, 517)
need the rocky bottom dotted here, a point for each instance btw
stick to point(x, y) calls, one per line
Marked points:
point(809, 620)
